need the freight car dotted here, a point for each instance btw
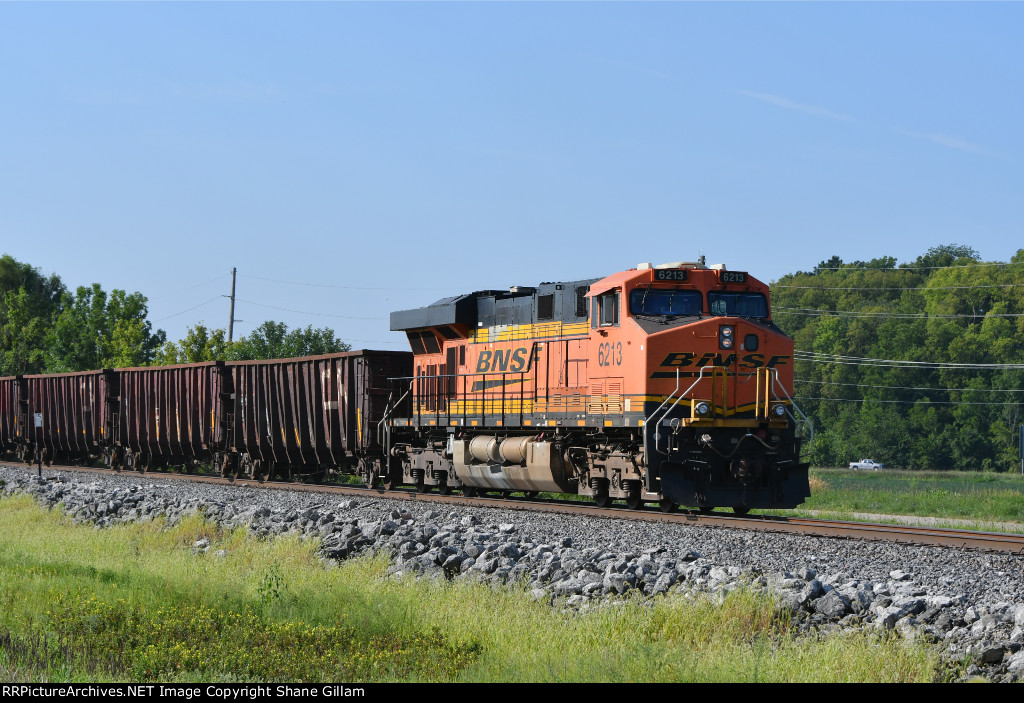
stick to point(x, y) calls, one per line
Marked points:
point(667, 384)
point(283, 418)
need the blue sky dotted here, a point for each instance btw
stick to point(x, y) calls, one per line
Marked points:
point(386, 155)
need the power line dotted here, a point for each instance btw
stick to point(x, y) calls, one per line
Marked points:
point(182, 290)
point(812, 312)
point(909, 402)
point(377, 341)
point(917, 288)
point(330, 285)
point(216, 297)
point(911, 388)
point(306, 312)
point(820, 358)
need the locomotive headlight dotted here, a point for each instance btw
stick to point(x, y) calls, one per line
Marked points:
point(779, 411)
point(702, 408)
point(726, 337)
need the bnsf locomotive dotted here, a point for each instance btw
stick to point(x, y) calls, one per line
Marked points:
point(666, 384)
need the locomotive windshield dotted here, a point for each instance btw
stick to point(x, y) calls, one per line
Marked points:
point(652, 301)
point(737, 304)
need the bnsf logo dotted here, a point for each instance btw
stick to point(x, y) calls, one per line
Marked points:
point(749, 361)
point(503, 360)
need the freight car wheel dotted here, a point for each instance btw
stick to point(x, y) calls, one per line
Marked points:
point(666, 505)
point(634, 495)
point(470, 491)
point(601, 497)
point(740, 509)
point(419, 482)
point(530, 495)
point(367, 471)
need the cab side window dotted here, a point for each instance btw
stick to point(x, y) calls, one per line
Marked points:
point(608, 309)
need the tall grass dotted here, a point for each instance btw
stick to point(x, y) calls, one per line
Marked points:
point(137, 603)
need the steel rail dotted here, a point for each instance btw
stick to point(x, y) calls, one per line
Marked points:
point(812, 527)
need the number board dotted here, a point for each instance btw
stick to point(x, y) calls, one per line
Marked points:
point(732, 277)
point(669, 274)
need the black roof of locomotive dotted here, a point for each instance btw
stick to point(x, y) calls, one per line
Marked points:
point(478, 307)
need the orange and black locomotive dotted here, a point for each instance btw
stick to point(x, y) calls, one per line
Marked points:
point(667, 384)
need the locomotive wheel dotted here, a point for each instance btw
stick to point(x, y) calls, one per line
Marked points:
point(666, 505)
point(367, 473)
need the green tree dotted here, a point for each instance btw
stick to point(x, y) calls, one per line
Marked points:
point(272, 340)
point(92, 331)
point(200, 344)
point(21, 335)
point(938, 308)
point(28, 303)
point(43, 292)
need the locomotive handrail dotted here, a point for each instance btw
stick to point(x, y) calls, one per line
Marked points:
point(810, 425)
point(657, 426)
point(667, 398)
point(387, 412)
point(497, 398)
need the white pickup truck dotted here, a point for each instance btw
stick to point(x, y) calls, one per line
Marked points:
point(865, 464)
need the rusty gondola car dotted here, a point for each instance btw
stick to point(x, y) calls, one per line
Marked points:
point(162, 416)
point(303, 417)
point(278, 418)
point(58, 417)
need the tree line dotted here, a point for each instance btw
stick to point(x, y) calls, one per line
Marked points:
point(47, 328)
point(955, 324)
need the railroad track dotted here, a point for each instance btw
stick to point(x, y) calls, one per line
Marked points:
point(907, 534)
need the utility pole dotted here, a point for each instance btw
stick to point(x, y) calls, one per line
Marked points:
point(231, 321)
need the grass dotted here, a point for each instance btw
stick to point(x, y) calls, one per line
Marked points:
point(135, 603)
point(984, 500)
